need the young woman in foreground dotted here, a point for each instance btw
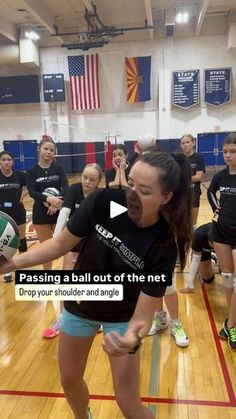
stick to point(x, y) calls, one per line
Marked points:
point(161, 182)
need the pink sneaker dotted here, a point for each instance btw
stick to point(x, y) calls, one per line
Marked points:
point(52, 331)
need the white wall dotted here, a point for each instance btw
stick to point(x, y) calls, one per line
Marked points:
point(117, 116)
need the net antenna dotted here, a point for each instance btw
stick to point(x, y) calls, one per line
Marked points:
point(112, 137)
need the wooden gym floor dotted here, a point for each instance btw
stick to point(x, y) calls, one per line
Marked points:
point(198, 382)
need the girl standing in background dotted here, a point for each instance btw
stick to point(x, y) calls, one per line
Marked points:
point(12, 191)
point(224, 232)
point(118, 175)
point(46, 174)
point(196, 161)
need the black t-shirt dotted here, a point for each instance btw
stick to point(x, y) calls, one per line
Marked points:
point(111, 174)
point(38, 180)
point(197, 164)
point(200, 241)
point(10, 193)
point(225, 183)
point(136, 249)
point(73, 198)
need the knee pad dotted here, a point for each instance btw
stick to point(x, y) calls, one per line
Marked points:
point(227, 279)
point(209, 280)
point(23, 245)
point(234, 283)
point(170, 290)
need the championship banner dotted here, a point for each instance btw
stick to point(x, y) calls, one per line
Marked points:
point(185, 88)
point(218, 86)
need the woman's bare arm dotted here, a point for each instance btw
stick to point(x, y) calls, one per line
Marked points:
point(45, 252)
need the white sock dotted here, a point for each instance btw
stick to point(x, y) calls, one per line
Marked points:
point(174, 321)
point(160, 313)
point(193, 270)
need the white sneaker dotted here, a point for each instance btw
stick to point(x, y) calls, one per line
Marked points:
point(159, 322)
point(215, 263)
point(179, 335)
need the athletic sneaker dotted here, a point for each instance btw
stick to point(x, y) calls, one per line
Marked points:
point(222, 334)
point(7, 277)
point(159, 322)
point(179, 335)
point(231, 334)
point(89, 414)
point(177, 262)
point(52, 331)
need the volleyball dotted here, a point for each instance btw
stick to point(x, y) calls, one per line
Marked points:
point(145, 140)
point(51, 192)
point(9, 237)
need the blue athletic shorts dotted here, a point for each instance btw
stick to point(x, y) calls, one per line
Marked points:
point(79, 326)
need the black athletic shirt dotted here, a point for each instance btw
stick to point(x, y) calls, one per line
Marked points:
point(10, 194)
point(38, 180)
point(110, 174)
point(225, 183)
point(73, 198)
point(197, 164)
point(151, 249)
point(201, 239)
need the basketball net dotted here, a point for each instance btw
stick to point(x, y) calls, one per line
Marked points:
point(84, 33)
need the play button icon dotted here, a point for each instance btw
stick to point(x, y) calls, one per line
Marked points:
point(110, 203)
point(116, 209)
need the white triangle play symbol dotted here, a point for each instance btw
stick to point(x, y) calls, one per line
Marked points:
point(116, 209)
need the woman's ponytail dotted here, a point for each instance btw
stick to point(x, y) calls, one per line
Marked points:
point(175, 177)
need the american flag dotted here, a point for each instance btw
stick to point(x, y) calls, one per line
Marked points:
point(84, 82)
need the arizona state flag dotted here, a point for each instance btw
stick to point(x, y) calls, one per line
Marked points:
point(138, 70)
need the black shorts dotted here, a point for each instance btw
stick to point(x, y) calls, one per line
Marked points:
point(40, 215)
point(223, 234)
point(20, 220)
point(18, 216)
point(205, 255)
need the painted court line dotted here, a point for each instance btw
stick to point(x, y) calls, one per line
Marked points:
point(153, 385)
point(104, 397)
point(221, 357)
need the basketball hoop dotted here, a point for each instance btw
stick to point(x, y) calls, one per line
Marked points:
point(83, 37)
point(84, 34)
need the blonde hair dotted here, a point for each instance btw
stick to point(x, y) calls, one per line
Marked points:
point(96, 167)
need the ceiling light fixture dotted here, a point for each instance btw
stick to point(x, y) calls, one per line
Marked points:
point(182, 17)
point(30, 34)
